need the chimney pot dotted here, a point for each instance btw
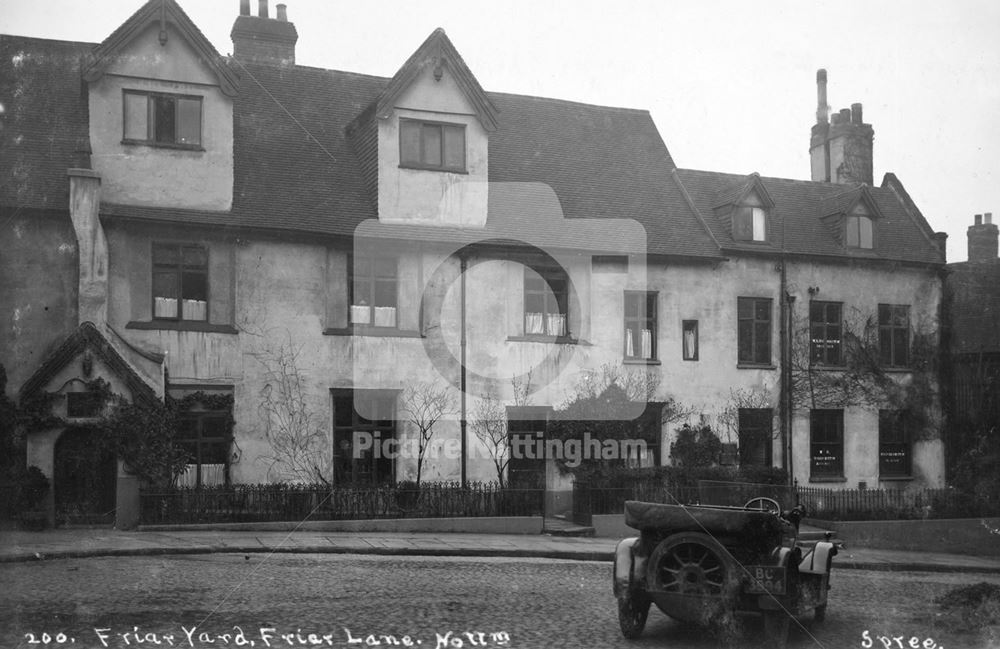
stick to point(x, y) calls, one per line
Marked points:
point(856, 115)
point(978, 219)
point(244, 7)
point(262, 8)
point(845, 115)
point(988, 218)
point(282, 11)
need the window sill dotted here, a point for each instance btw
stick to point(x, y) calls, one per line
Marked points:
point(898, 370)
point(827, 479)
point(829, 368)
point(182, 325)
point(373, 332)
point(165, 145)
point(640, 361)
point(897, 478)
point(535, 338)
point(463, 172)
point(755, 366)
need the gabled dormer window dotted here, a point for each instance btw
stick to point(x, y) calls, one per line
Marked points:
point(750, 224)
point(438, 146)
point(860, 231)
point(162, 119)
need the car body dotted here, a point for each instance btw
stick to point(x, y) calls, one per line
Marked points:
point(702, 564)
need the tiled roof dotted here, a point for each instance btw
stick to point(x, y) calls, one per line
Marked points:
point(797, 224)
point(295, 169)
point(44, 120)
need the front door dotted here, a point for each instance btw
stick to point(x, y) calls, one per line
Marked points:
point(84, 479)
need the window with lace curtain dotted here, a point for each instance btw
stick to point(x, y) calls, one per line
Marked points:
point(373, 289)
point(546, 295)
point(180, 282)
point(640, 325)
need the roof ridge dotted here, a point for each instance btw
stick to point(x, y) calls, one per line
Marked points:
point(846, 186)
point(49, 40)
point(569, 102)
point(297, 66)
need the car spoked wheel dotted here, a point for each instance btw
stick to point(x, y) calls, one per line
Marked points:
point(692, 569)
point(633, 609)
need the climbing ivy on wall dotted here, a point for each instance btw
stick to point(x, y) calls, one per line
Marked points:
point(862, 379)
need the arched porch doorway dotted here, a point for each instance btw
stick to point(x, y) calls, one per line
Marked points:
point(84, 479)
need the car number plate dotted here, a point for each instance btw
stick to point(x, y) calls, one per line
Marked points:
point(766, 579)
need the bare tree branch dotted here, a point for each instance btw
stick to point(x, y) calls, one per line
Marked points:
point(424, 404)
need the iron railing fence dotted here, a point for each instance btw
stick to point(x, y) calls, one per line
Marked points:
point(295, 502)
point(592, 498)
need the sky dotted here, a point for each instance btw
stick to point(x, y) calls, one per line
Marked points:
point(730, 84)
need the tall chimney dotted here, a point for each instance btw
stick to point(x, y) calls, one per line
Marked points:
point(983, 237)
point(259, 39)
point(822, 108)
point(840, 151)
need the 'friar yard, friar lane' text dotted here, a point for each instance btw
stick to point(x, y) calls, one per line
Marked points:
point(268, 637)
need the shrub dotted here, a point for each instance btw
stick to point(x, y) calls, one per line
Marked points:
point(23, 492)
point(696, 447)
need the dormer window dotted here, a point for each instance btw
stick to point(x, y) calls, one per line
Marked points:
point(438, 146)
point(859, 229)
point(750, 224)
point(162, 119)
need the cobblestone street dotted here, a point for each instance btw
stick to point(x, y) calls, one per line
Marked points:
point(501, 602)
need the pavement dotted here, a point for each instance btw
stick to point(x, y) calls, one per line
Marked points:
point(20, 546)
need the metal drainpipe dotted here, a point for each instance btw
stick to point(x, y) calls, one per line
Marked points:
point(464, 425)
point(786, 347)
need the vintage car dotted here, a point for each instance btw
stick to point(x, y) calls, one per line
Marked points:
point(705, 564)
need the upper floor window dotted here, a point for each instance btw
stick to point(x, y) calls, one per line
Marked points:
point(180, 282)
point(825, 328)
point(689, 331)
point(546, 296)
point(162, 119)
point(432, 145)
point(754, 330)
point(750, 224)
point(373, 291)
point(640, 325)
point(859, 232)
point(894, 334)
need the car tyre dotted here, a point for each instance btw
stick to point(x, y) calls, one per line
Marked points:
point(633, 609)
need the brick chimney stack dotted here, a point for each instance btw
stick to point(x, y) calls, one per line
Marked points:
point(983, 235)
point(840, 148)
point(260, 39)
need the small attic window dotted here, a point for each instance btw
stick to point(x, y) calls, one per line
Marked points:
point(860, 229)
point(438, 146)
point(750, 223)
point(162, 120)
